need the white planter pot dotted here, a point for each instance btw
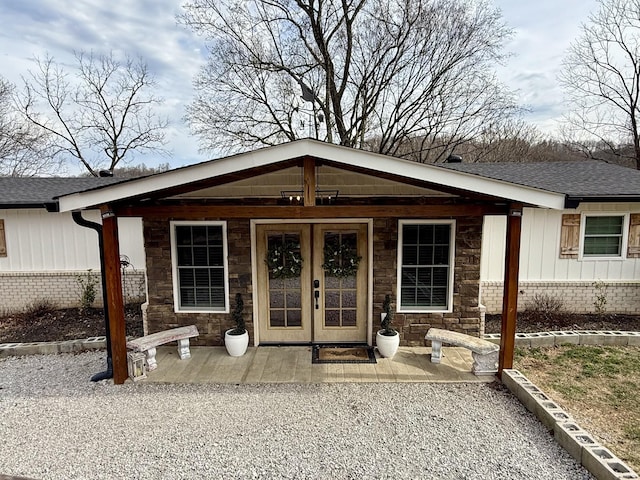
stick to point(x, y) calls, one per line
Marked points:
point(387, 345)
point(236, 344)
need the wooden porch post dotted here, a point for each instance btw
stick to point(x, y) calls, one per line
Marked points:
point(309, 175)
point(510, 295)
point(114, 295)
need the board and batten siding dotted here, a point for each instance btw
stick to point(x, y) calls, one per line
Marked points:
point(544, 268)
point(38, 241)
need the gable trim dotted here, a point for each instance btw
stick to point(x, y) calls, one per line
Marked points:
point(372, 162)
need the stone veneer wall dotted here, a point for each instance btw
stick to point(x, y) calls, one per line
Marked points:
point(413, 327)
point(576, 296)
point(19, 290)
point(465, 317)
point(160, 311)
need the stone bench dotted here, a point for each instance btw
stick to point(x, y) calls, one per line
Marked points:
point(149, 343)
point(484, 353)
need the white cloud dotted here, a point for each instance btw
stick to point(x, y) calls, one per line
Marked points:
point(543, 31)
point(145, 28)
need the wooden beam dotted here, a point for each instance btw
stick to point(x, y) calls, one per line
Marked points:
point(114, 295)
point(510, 295)
point(303, 212)
point(309, 168)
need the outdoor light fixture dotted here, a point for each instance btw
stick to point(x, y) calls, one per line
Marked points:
point(136, 366)
point(322, 196)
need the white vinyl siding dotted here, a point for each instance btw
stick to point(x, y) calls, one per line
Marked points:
point(199, 259)
point(425, 263)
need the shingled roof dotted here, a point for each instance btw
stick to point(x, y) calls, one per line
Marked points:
point(579, 180)
point(588, 180)
point(36, 192)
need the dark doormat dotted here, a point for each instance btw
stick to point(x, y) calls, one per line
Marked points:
point(342, 354)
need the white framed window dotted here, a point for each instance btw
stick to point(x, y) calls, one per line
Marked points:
point(426, 251)
point(200, 267)
point(603, 235)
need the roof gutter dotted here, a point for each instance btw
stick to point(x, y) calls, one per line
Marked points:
point(573, 201)
point(83, 222)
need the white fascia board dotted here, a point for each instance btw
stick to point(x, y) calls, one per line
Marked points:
point(443, 176)
point(300, 148)
point(181, 176)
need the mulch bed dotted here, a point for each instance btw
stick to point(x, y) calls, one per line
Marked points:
point(51, 325)
point(530, 322)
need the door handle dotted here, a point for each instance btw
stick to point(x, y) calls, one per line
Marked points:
point(316, 284)
point(316, 294)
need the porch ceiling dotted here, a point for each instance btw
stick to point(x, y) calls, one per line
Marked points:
point(350, 184)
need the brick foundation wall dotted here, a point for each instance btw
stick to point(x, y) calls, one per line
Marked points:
point(19, 290)
point(465, 317)
point(577, 297)
point(160, 312)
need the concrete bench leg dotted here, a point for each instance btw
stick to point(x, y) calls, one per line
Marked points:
point(152, 364)
point(436, 351)
point(486, 364)
point(183, 349)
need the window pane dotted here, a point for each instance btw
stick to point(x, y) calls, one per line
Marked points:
point(184, 256)
point(425, 266)
point(216, 257)
point(186, 277)
point(183, 235)
point(603, 225)
point(294, 318)
point(410, 234)
point(199, 235)
point(602, 245)
point(603, 236)
point(200, 261)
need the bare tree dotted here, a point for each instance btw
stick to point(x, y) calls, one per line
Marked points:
point(102, 112)
point(410, 78)
point(24, 151)
point(601, 75)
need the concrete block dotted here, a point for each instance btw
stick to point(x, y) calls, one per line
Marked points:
point(513, 380)
point(572, 438)
point(542, 339)
point(522, 340)
point(549, 413)
point(604, 465)
point(615, 338)
point(564, 338)
point(591, 337)
point(633, 338)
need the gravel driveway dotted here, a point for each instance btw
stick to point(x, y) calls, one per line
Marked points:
point(56, 424)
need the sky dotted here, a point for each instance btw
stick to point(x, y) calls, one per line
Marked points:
point(543, 30)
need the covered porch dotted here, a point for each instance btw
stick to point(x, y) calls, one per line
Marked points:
point(292, 364)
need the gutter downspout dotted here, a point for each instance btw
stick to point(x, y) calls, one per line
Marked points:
point(83, 222)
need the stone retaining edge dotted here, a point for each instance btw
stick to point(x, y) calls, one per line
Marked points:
point(541, 339)
point(52, 348)
point(573, 337)
point(598, 460)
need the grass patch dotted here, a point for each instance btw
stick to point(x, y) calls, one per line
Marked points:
point(597, 385)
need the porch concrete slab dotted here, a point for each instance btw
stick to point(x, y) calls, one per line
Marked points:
point(293, 365)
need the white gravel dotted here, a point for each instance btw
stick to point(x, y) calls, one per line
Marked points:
point(55, 423)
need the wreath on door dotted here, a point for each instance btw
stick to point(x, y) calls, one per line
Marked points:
point(284, 260)
point(340, 260)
